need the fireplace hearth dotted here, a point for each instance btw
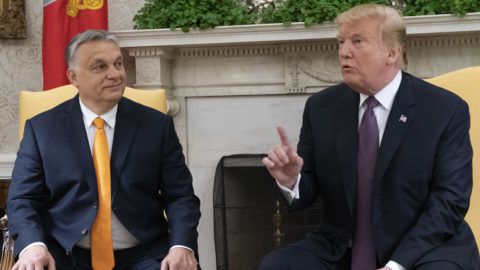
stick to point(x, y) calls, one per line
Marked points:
point(250, 217)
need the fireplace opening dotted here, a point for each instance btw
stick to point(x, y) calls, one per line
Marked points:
point(250, 217)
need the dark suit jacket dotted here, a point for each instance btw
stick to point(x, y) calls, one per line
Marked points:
point(423, 177)
point(53, 194)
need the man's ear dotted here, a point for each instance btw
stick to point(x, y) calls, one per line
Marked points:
point(72, 77)
point(393, 55)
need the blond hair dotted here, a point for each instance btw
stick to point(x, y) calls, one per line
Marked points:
point(393, 32)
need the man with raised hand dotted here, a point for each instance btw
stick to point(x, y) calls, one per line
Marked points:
point(388, 154)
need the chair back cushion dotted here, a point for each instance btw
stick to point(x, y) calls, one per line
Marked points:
point(32, 103)
point(466, 83)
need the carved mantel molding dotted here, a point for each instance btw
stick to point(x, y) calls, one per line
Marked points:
point(439, 25)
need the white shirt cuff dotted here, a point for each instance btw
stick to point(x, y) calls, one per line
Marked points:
point(31, 245)
point(395, 266)
point(290, 194)
point(180, 246)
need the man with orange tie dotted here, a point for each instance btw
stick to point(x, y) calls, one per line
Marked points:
point(95, 175)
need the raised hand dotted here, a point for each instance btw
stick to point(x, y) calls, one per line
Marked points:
point(283, 163)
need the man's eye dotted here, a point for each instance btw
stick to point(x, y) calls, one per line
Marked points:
point(119, 65)
point(98, 68)
point(358, 43)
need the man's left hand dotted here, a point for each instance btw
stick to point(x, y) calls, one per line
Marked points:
point(179, 259)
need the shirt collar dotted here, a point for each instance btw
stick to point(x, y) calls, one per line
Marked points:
point(109, 117)
point(386, 96)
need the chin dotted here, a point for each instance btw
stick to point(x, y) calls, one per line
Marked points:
point(115, 96)
point(355, 86)
point(350, 81)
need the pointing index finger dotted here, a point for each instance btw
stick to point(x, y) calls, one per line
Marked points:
point(284, 139)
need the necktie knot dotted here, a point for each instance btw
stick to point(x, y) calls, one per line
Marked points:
point(99, 123)
point(372, 102)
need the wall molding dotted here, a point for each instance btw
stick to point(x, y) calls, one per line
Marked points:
point(445, 41)
point(6, 165)
point(269, 33)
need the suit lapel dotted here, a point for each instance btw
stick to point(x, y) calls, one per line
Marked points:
point(125, 127)
point(399, 119)
point(72, 120)
point(347, 140)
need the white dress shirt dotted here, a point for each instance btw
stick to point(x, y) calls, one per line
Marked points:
point(385, 97)
point(121, 237)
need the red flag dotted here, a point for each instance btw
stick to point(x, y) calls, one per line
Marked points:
point(62, 20)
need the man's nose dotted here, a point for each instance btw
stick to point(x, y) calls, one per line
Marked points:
point(344, 50)
point(112, 71)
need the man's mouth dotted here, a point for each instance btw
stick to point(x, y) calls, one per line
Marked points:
point(113, 85)
point(346, 67)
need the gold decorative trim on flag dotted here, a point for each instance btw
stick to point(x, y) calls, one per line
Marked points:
point(74, 6)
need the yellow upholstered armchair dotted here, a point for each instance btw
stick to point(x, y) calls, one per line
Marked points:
point(32, 103)
point(466, 83)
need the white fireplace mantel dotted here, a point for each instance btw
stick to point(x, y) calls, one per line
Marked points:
point(439, 25)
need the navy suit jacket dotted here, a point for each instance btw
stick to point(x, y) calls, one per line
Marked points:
point(423, 177)
point(53, 193)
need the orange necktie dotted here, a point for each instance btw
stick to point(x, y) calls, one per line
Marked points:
point(101, 234)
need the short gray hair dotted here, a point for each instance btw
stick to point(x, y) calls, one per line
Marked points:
point(84, 37)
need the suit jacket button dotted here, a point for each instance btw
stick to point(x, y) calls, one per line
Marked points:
point(95, 205)
point(84, 231)
point(67, 252)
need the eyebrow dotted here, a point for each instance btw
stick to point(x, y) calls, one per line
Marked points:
point(356, 35)
point(96, 62)
point(101, 60)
